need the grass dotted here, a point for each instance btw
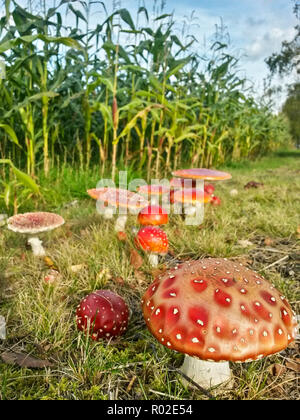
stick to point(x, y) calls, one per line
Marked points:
point(40, 317)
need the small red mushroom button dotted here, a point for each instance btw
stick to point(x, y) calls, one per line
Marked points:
point(103, 313)
point(154, 241)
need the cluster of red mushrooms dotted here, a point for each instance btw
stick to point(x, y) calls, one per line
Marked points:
point(212, 310)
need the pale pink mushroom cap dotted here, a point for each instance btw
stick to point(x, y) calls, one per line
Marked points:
point(118, 197)
point(32, 223)
point(202, 173)
point(218, 310)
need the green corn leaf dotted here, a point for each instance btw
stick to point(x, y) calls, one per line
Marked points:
point(11, 133)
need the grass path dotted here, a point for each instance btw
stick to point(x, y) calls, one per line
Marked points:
point(40, 317)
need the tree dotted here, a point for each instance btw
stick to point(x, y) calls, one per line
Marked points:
point(289, 57)
point(291, 109)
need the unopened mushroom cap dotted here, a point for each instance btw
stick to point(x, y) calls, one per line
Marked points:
point(218, 310)
point(32, 223)
point(152, 239)
point(191, 196)
point(202, 173)
point(103, 314)
point(153, 215)
point(118, 197)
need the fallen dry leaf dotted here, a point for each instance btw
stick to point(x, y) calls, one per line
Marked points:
point(277, 369)
point(24, 360)
point(135, 259)
point(119, 280)
point(253, 184)
point(294, 365)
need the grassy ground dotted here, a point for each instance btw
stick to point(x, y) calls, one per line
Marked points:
point(40, 316)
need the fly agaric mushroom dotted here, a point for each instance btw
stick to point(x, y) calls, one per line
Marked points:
point(215, 201)
point(204, 174)
point(32, 223)
point(190, 198)
point(113, 198)
point(102, 314)
point(154, 241)
point(153, 215)
point(216, 310)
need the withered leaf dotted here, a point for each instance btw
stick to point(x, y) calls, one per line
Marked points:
point(135, 259)
point(24, 360)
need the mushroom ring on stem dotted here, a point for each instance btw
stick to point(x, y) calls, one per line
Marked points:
point(102, 314)
point(215, 310)
point(154, 241)
point(34, 223)
point(111, 199)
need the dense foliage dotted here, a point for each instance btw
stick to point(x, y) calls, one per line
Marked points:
point(117, 91)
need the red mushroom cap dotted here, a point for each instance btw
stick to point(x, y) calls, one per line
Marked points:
point(209, 189)
point(191, 196)
point(218, 310)
point(157, 190)
point(215, 201)
point(202, 173)
point(153, 215)
point(152, 239)
point(103, 313)
point(36, 222)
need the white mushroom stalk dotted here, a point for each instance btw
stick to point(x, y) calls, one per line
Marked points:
point(153, 259)
point(37, 247)
point(204, 373)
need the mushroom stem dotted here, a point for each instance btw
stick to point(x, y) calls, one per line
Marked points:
point(37, 247)
point(206, 374)
point(120, 223)
point(108, 213)
point(189, 210)
point(153, 259)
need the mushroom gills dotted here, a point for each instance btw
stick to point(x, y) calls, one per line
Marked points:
point(205, 373)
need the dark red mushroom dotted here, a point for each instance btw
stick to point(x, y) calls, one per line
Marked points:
point(217, 310)
point(103, 314)
point(154, 241)
point(153, 216)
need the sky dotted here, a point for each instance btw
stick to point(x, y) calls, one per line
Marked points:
point(256, 29)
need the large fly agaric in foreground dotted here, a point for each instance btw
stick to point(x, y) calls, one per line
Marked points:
point(215, 310)
point(34, 223)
